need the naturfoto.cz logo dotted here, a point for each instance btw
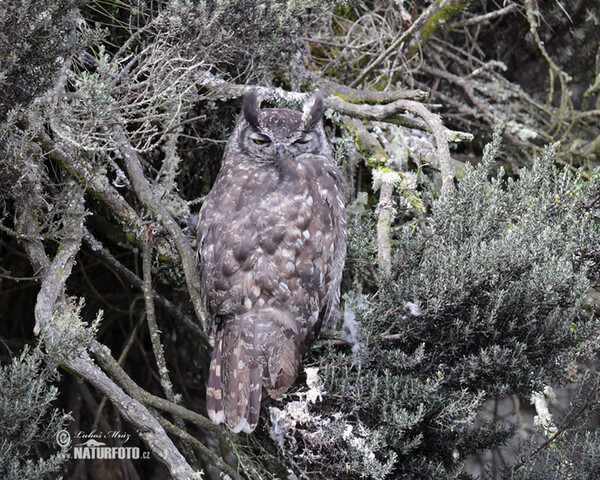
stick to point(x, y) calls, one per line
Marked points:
point(94, 449)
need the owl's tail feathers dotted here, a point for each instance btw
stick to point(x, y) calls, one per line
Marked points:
point(234, 389)
point(214, 389)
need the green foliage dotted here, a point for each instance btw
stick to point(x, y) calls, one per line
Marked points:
point(27, 419)
point(486, 300)
point(573, 451)
point(226, 33)
point(33, 35)
point(67, 332)
point(362, 254)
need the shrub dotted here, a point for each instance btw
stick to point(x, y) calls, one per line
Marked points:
point(486, 300)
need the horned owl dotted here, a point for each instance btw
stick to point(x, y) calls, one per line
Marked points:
point(271, 239)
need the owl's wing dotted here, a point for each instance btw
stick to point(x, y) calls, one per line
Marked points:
point(335, 242)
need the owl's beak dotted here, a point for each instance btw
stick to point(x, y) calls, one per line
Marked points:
point(279, 150)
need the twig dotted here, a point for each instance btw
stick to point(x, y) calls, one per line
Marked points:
point(146, 195)
point(562, 76)
point(396, 43)
point(151, 315)
point(563, 428)
point(159, 355)
point(99, 187)
point(392, 336)
point(486, 17)
point(104, 254)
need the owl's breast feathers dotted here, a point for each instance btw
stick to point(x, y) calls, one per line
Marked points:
point(272, 243)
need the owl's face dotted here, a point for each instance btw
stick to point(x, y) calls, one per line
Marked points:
point(272, 133)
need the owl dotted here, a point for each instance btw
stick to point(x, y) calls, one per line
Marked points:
point(271, 239)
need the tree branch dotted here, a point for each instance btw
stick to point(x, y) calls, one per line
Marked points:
point(151, 201)
point(148, 427)
point(355, 95)
point(386, 212)
point(108, 363)
point(486, 17)
point(391, 113)
point(200, 448)
point(51, 294)
point(104, 254)
point(99, 187)
point(159, 354)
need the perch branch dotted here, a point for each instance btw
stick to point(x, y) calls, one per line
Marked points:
point(103, 356)
point(200, 448)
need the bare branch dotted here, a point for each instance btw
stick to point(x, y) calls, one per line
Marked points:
point(146, 195)
point(354, 95)
point(108, 363)
point(486, 17)
point(391, 113)
point(159, 354)
point(148, 427)
point(54, 273)
point(99, 187)
point(386, 212)
point(203, 451)
point(397, 42)
point(174, 310)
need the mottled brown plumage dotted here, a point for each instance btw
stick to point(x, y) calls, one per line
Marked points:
point(272, 243)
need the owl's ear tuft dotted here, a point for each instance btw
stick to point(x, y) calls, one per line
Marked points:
point(251, 108)
point(312, 111)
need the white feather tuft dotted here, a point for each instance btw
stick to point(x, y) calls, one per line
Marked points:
point(352, 329)
point(241, 425)
point(216, 417)
point(413, 308)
